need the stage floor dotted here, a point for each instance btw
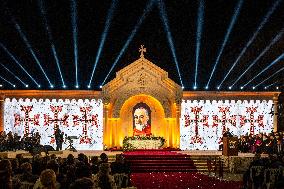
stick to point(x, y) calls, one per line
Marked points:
point(90, 153)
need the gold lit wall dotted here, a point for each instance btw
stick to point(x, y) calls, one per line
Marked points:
point(118, 128)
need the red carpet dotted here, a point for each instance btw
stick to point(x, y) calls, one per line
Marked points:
point(180, 180)
point(152, 152)
point(159, 161)
point(169, 170)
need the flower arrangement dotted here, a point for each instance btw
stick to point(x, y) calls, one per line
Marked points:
point(127, 146)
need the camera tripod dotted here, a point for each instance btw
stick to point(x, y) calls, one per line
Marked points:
point(70, 146)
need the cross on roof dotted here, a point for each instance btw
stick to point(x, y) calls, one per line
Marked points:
point(142, 50)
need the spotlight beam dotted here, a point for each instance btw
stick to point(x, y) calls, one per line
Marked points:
point(200, 18)
point(269, 77)
point(272, 84)
point(271, 64)
point(233, 21)
point(164, 17)
point(103, 37)
point(130, 38)
point(13, 85)
point(27, 43)
point(13, 74)
point(75, 36)
point(265, 19)
point(50, 38)
point(275, 39)
point(17, 62)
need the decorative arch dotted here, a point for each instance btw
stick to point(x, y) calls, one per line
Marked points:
point(163, 99)
point(142, 77)
point(158, 114)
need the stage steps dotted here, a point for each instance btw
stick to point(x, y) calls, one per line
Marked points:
point(157, 162)
point(172, 162)
point(200, 161)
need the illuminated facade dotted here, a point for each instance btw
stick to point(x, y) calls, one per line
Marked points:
point(186, 119)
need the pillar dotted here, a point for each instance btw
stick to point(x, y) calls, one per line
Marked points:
point(275, 115)
point(105, 130)
point(177, 139)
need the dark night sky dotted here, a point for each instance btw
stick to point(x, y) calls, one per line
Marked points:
point(182, 20)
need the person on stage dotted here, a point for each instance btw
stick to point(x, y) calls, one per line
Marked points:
point(58, 139)
point(227, 133)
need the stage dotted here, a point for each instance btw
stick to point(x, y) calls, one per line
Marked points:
point(89, 153)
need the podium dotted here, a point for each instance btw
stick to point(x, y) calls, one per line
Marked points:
point(230, 146)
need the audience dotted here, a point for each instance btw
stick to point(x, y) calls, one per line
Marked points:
point(271, 143)
point(69, 173)
point(256, 178)
point(51, 172)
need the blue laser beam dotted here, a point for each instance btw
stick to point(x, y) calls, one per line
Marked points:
point(267, 86)
point(75, 37)
point(29, 46)
point(198, 38)
point(103, 37)
point(278, 71)
point(130, 38)
point(265, 19)
point(50, 38)
point(267, 67)
point(13, 85)
point(18, 63)
point(164, 18)
point(13, 74)
point(232, 23)
point(274, 40)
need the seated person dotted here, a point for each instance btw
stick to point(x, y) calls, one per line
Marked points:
point(84, 182)
point(27, 175)
point(94, 165)
point(6, 180)
point(103, 179)
point(119, 165)
point(104, 158)
point(47, 179)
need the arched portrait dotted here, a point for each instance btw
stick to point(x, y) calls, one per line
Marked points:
point(141, 119)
